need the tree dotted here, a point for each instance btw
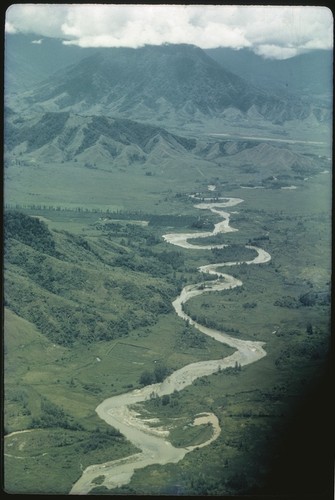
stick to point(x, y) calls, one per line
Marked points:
point(160, 372)
point(165, 400)
point(146, 378)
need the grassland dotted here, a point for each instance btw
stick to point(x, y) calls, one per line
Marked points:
point(84, 322)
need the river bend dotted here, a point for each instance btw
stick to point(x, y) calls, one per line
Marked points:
point(117, 412)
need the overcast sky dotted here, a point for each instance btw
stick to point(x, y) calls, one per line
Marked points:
point(271, 31)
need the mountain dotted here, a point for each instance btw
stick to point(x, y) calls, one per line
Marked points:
point(308, 74)
point(29, 60)
point(169, 83)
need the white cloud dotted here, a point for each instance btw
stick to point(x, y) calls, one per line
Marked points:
point(269, 51)
point(40, 19)
point(272, 31)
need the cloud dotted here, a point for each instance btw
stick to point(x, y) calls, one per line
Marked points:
point(39, 19)
point(271, 31)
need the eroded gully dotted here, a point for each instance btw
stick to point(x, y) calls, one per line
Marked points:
point(117, 412)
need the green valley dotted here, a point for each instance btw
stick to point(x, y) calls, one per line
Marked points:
point(88, 313)
point(167, 251)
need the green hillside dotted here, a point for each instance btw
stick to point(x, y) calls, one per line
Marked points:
point(85, 316)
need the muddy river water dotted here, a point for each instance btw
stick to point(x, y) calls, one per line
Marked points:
point(117, 411)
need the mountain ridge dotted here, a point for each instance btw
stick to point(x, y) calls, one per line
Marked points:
point(29, 61)
point(65, 136)
point(158, 83)
point(309, 74)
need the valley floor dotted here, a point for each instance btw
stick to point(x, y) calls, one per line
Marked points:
point(99, 326)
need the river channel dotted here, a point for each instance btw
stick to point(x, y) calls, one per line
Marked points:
point(117, 410)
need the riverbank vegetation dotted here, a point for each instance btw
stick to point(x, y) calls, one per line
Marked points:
point(88, 315)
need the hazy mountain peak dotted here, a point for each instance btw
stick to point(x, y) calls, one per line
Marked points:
point(171, 83)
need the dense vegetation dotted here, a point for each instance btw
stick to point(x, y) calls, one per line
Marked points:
point(29, 231)
point(54, 288)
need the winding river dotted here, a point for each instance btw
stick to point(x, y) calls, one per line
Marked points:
point(116, 411)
